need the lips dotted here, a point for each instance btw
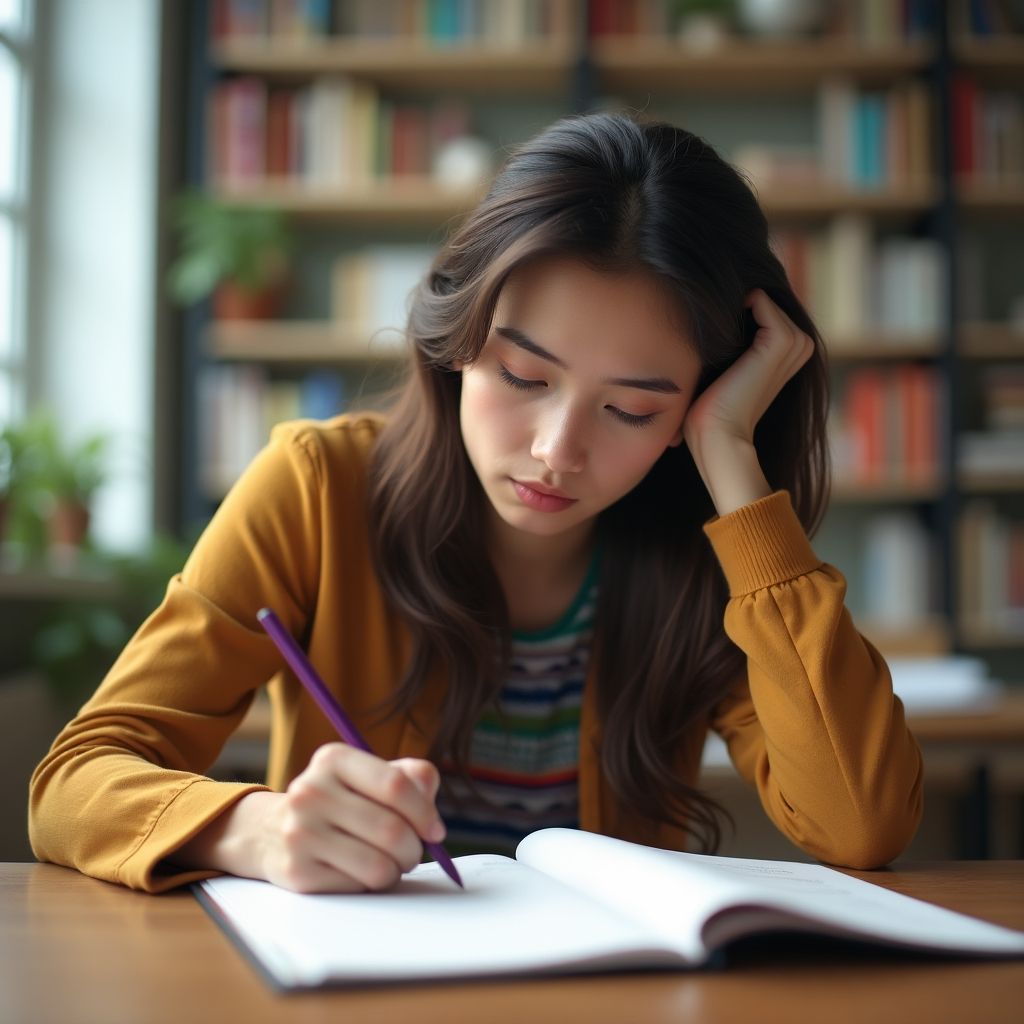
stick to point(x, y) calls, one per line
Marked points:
point(551, 492)
point(543, 499)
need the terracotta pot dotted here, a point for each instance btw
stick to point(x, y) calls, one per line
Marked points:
point(68, 524)
point(233, 303)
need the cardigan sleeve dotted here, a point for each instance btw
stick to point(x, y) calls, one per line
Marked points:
point(815, 725)
point(124, 783)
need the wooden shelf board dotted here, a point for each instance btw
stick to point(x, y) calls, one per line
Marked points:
point(976, 635)
point(998, 58)
point(400, 200)
point(853, 492)
point(825, 200)
point(314, 340)
point(991, 341)
point(299, 342)
point(879, 346)
point(748, 66)
point(991, 196)
point(395, 201)
point(980, 483)
point(543, 66)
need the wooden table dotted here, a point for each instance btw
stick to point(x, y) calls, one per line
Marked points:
point(73, 949)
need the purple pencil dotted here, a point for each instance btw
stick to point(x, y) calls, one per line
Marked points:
point(303, 668)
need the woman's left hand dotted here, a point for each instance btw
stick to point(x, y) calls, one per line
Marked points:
point(719, 425)
point(733, 404)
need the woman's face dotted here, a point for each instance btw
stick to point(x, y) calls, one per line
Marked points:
point(582, 384)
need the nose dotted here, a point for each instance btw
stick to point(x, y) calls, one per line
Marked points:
point(559, 442)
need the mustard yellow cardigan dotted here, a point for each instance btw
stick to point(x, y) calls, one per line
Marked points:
point(813, 725)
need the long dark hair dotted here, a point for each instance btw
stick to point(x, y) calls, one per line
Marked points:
point(620, 195)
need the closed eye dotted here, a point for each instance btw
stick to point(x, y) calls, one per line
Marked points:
point(629, 418)
point(517, 382)
point(521, 384)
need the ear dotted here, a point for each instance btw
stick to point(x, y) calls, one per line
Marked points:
point(458, 365)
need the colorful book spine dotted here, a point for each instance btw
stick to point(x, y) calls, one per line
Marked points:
point(855, 285)
point(874, 140)
point(988, 132)
point(239, 406)
point(898, 570)
point(888, 426)
point(333, 133)
point(991, 569)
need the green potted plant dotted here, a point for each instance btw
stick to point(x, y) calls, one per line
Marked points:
point(703, 24)
point(20, 522)
point(237, 254)
point(63, 478)
point(8, 474)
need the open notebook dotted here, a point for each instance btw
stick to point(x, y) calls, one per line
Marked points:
point(571, 901)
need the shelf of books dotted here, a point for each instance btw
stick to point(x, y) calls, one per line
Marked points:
point(344, 108)
point(987, 142)
point(356, 26)
point(991, 596)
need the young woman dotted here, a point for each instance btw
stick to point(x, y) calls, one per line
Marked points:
point(578, 543)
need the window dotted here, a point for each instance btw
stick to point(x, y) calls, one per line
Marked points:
point(15, 85)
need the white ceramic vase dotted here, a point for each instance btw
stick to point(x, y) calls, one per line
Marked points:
point(780, 19)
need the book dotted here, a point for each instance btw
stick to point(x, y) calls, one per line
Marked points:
point(896, 566)
point(945, 684)
point(991, 568)
point(371, 289)
point(572, 902)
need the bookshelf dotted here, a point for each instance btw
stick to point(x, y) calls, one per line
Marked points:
point(745, 87)
point(988, 353)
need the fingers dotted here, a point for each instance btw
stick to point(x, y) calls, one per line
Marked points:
point(323, 809)
point(318, 859)
point(352, 821)
point(423, 773)
point(791, 347)
point(394, 785)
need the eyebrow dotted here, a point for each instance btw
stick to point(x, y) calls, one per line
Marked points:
point(659, 384)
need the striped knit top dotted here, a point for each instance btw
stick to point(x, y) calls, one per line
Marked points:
point(524, 751)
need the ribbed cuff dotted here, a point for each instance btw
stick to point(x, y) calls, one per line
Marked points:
point(761, 544)
point(191, 810)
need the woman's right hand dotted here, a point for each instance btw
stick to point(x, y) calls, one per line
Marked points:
point(348, 823)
